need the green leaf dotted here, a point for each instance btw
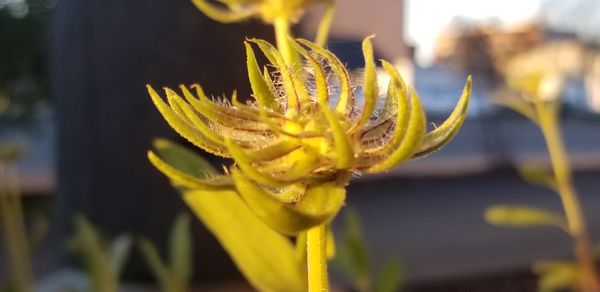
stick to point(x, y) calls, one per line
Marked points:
point(267, 258)
point(319, 204)
point(160, 270)
point(325, 24)
point(119, 252)
point(181, 179)
point(556, 275)
point(389, 279)
point(88, 244)
point(186, 168)
point(538, 176)
point(352, 253)
point(180, 247)
point(522, 216)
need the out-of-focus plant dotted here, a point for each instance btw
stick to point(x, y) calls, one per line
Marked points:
point(174, 276)
point(538, 100)
point(295, 146)
point(103, 262)
point(353, 259)
point(23, 65)
point(18, 247)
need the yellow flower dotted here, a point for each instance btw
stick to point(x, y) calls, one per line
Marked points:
point(268, 10)
point(304, 134)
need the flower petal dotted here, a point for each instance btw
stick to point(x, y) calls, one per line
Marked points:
point(439, 137)
point(412, 140)
point(345, 103)
point(261, 90)
point(370, 85)
point(343, 147)
point(185, 129)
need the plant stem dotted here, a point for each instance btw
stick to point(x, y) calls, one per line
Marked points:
point(316, 259)
point(282, 33)
point(548, 118)
point(14, 227)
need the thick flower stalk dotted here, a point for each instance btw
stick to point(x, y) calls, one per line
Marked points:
point(307, 130)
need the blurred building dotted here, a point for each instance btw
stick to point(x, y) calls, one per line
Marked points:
point(356, 19)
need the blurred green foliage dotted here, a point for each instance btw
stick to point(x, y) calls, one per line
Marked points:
point(103, 260)
point(353, 259)
point(24, 42)
point(176, 274)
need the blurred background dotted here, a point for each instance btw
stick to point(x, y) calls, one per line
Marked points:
point(76, 122)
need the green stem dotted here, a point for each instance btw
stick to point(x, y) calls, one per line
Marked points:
point(15, 234)
point(548, 120)
point(282, 33)
point(316, 259)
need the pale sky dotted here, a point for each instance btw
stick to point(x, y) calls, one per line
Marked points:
point(426, 19)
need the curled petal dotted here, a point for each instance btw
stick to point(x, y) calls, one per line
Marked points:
point(185, 129)
point(286, 76)
point(413, 138)
point(439, 137)
point(342, 144)
point(398, 90)
point(184, 110)
point(218, 114)
point(370, 86)
point(346, 100)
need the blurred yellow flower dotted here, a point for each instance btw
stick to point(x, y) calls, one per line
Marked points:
point(267, 10)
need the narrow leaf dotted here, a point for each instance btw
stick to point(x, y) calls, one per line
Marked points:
point(181, 179)
point(183, 159)
point(522, 216)
point(538, 176)
point(88, 244)
point(556, 275)
point(159, 268)
point(390, 278)
point(180, 248)
point(352, 251)
point(325, 24)
point(119, 252)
